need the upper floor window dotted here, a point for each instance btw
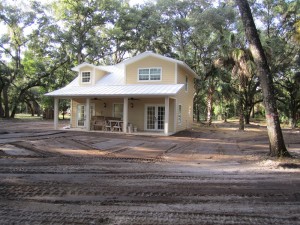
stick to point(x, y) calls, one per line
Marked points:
point(85, 77)
point(186, 83)
point(149, 74)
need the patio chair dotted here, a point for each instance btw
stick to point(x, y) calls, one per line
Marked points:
point(107, 126)
point(117, 126)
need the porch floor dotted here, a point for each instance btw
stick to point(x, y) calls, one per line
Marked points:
point(143, 133)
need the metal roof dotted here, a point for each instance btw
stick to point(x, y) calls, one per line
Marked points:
point(118, 90)
point(113, 83)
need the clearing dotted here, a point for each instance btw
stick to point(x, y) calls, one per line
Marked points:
point(208, 175)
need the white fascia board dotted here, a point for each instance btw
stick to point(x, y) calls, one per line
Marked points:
point(184, 65)
point(77, 68)
point(146, 54)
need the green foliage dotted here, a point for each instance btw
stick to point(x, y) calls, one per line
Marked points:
point(41, 42)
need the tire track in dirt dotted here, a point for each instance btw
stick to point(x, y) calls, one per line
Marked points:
point(123, 216)
point(123, 187)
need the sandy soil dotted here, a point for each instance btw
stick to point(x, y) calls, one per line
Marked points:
point(208, 175)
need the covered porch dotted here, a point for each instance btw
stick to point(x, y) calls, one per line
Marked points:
point(140, 115)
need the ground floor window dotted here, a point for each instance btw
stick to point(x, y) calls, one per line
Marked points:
point(118, 110)
point(179, 115)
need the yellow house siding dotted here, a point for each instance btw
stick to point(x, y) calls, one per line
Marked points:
point(172, 115)
point(168, 71)
point(185, 99)
point(136, 115)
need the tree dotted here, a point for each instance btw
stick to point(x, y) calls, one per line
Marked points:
point(278, 23)
point(11, 44)
point(209, 26)
point(276, 141)
point(289, 96)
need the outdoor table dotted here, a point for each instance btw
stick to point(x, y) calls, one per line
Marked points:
point(115, 124)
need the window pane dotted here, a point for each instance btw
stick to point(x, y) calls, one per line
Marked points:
point(85, 77)
point(143, 74)
point(143, 71)
point(155, 77)
point(150, 74)
point(118, 110)
point(151, 117)
point(179, 114)
point(144, 77)
point(155, 74)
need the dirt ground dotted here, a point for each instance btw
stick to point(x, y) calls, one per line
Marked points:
point(207, 175)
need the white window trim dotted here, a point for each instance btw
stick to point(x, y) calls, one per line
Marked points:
point(138, 74)
point(82, 77)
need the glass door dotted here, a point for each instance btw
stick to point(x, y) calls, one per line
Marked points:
point(160, 117)
point(155, 117)
point(150, 118)
point(80, 115)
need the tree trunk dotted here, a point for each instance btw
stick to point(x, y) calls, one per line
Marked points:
point(13, 111)
point(31, 109)
point(5, 100)
point(1, 108)
point(198, 112)
point(241, 107)
point(241, 114)
point(293, 119)
point(209, 105)
point(276, 141)
point(247, 118)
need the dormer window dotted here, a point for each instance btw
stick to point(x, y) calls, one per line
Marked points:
point(150, 74)
point(85, 77)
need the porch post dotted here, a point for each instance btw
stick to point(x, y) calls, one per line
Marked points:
point(167, 112)
point(56, 113)
point(87, 114)
point(125, 114)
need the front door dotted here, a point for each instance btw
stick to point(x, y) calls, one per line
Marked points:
point(81, 114)
point(155, 117)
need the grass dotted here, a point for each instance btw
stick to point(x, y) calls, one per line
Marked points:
point(23, 116)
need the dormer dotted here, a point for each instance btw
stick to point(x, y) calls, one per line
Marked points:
point(151, 68)
point(89, 74)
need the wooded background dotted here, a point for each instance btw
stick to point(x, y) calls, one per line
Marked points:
point(40, 43)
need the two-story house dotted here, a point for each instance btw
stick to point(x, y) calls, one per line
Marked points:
point(152, 92)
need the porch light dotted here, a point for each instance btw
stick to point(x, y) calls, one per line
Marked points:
point(104, 105)
point(131, 105)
